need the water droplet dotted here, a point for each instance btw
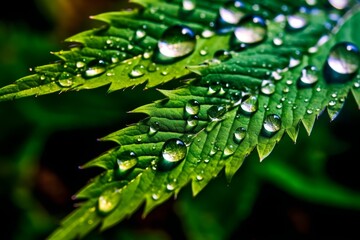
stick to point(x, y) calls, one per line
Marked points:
point(207, 33)
point(139, 34)
point(199, 178)
point(295, 59)
point(213, 88)
point(155, 196)
point(267, 87)
point(297, 21)
point(192, 107)
point(340, 4)
point(154, 128)
point(216, 112)
point(229, 150)
point(251, 30)
point(222, 55)
point(80, 64)
point(126, 161)
point(176, 42)
point(172, 153)
point(188, 5)
point(65, 82)
point(137, 71)
point(229, 15)
point(95, 68)
point(309, 76)
point(108, 200)
point(342, 63)
point(249, 104)
point(192, 122)
point(239, 134)
point(278, 41)
point(272, 124)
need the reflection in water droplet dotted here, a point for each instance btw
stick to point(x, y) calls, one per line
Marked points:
point(126, 161)
point(239, 134)
point(108, 200)
point(229, 15)
point(95, 68)
point(172, 153)
point(137, 71)
point(251, 30)
point(267, 87)
point(271, 125)
point(297, 21)
point(216, 112)
point(249, 104)
point(176, 42)
point(139, 34)
point(192, 107)
point(309, 76)
point(342, 63)
point(154, 128)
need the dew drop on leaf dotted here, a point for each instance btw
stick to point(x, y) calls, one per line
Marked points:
point(216, 112)
point(188, 5)
point(309, 76)
point(267, 87)
point(95, 68)
point(239, 134)
point(154, 128)
point(296, 21)
point(65, 83)
point(177, 41)
point(229, 15)
point(342, 63)
point(222, 55)
point(172, 153)
point(249, 104)
point(126, 161)
point(192, 107)
point(229, 150)
point(339, 4)
point(137, 71)
point(251, 30)
point(191, 122)
point(108, 200)
point(271, 125)
point(139, 34)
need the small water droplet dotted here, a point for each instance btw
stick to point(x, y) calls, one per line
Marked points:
point(188, 5)
point(172, 153)
point(340, 4)
point(192, 122)
point(126, 161)
point(278, 41)
point(139, 34)
point(95, 68)
point(239, 134)
point(271, 125)
point(65, 82)
point(267, 87)
point(229, 150)
point(342, 63)
point(222, 55)
point(199, 178)
point(154, 128)
point(177, 41)
point(207, 33)
point(155, 196)
point(309, 76)
point(251, 30)
point(80, 64)
point(137, 71)
point(108, 200)
point(216, 112)
point(249, 104)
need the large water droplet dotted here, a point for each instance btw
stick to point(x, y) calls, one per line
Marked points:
point(340, 4)
point(342, 63)
point(95, 68)
point(251, 30)
point(272, 124)
point(309, 76)
point(176, 42)
point(192, 107)
point(108, 200)
point(229, 15)
point(216, 112)
point(172, 153)
point(249, 104)
point(239, 134)
point(126, 161)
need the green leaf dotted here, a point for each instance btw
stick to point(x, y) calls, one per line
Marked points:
point(213, 121)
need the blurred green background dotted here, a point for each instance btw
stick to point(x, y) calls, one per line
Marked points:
point(302, 191)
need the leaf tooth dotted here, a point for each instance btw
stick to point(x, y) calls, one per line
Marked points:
point(308, 122)
point(356, 94)
point(293, 133)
